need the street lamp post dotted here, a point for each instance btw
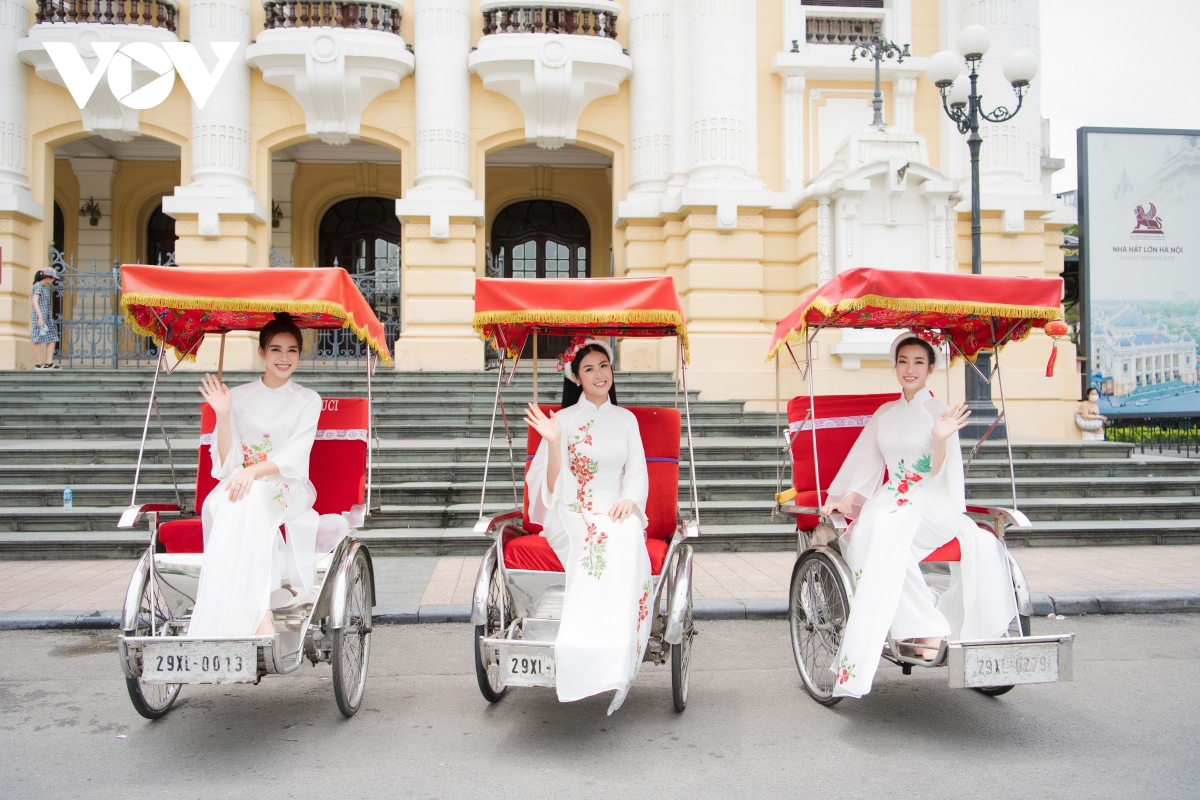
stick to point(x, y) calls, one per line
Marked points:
point(963, 104)
point(879, 48)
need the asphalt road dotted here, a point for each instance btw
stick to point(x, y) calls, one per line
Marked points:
point(1128, 726)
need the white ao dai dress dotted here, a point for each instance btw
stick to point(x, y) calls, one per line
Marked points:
point(245, 557)
point(900, 523)
point(605, 617)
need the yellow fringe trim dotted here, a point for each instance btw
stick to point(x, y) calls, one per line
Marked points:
point(234, 304)
point(662, 317)
point(919, 306)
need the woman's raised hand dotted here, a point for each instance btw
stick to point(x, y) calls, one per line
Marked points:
point(949, 422)
point(546, 426)
point(216, 394)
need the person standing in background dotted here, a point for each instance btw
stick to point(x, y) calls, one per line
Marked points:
point(42, 330)
point(1088, 418)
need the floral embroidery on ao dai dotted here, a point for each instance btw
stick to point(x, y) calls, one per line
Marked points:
point(245, 557)
point(901, 522)
point(605, 617)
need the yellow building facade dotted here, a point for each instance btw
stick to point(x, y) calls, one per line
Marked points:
point(727, 143)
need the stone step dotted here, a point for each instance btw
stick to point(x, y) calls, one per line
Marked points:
point(723, 512)
point(712, 484)
point(1031, 476)
point(65, 544)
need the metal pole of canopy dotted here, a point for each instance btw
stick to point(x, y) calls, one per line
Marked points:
point(221, 359)
point(691, 452)
point(535, 367)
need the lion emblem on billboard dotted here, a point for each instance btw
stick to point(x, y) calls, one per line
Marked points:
point(1148, 221)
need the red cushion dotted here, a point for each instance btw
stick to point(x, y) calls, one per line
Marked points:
point(182, 535)
point(534, 552)
point(950, 551)
point(660, 429)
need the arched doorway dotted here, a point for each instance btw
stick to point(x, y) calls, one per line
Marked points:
point(362, 235)
point(160, 238)
point(542, 239)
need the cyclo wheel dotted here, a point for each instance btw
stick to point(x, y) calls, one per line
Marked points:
point(151, 700)
point(1020, 626)
point(681, 662)
point(492, 692)
point(352, 644)
point(818, 607)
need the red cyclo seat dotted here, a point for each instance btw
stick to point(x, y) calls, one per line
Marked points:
point(950, 551)
point(534, 552)
point(660, 430)
point(337, 467)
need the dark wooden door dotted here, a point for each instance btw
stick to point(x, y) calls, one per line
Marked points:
point(542, 239)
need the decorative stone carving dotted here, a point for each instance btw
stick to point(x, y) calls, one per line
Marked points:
point(552, 77)
point(103, 114)
point(332, 72)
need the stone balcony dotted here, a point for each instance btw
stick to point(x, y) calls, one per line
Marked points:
point(552, 59)
point(84, 23)
point(333, 58)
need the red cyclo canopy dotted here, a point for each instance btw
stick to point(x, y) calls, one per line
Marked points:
point(507, 310)
point(177, 306)
point(962, 308)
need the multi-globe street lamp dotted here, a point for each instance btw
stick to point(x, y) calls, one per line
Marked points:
point(963, 104)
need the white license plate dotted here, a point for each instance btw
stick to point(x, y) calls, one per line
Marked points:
point(1010, 664)
point(528, 667)
point(199, 662)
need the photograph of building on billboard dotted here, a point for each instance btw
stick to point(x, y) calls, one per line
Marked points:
point(1140, 251)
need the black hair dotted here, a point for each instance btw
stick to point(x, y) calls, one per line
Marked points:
point(1089, 390)
point(281, 324)
point(924, 344)
point(572, 391)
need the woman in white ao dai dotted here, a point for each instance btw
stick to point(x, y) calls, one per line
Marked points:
point(899, 522)
point(587, 487)
point(265, 429)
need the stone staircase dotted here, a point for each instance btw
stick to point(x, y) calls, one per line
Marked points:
point(83, 428)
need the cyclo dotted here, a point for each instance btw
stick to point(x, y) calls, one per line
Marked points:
point(968, 314)
point(177, 307)
point(518, 596)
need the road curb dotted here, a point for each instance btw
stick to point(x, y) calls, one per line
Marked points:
point(1142, 601)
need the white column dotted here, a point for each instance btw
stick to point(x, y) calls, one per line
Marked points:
point(904, 90)
point(717, 124)
point(824, 240)
point(1011, 154)
point(221, 130)
point(15, 193)
point(95, 176)
point(442, 187)
point(651, 94)
point(793, 130)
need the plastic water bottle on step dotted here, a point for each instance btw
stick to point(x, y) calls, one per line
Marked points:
point(68, 498)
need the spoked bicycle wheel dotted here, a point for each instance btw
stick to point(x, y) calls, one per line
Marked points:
point(492, 690)
point(151, 700)
point(818, 607)
point(352, 644)
point(681, 662)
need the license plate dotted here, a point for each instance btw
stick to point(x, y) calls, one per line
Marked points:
point(1010, 664)
point(527, 667)
point(199, 662)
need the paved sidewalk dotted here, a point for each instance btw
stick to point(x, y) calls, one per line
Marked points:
point(81, 586)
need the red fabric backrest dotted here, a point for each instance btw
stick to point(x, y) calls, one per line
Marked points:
point(840, 419)
point(337, 465)
point(660, 439)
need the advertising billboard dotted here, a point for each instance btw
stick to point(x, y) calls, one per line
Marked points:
point(1139, 226)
